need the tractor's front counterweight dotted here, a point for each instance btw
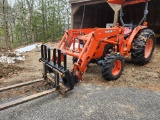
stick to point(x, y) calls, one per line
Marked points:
point(56, 67)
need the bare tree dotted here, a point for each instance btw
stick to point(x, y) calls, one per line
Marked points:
point(30, 4)
point(23, 21)
point(43, 19)
point(29, 21)
point(5, 24)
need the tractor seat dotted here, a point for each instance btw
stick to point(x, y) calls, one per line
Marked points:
point(127, 29)
point(127, 32)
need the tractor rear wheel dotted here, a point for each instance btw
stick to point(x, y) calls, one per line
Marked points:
point(143, 47)
point(112, 66)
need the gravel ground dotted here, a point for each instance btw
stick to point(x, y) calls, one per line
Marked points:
point(90, 102)
point(134, 96)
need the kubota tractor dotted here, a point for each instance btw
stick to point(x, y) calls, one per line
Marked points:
point(107, 47)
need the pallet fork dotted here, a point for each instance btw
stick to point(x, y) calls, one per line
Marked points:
point(24, 99)
point(54, 73)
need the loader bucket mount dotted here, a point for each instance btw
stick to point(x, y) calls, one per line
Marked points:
point(56, 66)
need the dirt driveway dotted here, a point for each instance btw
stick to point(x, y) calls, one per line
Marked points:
point(146, 77)
point(135, 95)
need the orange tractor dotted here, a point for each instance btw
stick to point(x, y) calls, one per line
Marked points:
point(107, 47)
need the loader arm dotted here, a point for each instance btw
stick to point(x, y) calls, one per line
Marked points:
point(93, 45)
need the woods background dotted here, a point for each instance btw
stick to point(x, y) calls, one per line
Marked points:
point(29, 21)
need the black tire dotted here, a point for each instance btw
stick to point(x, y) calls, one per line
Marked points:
point(138, 52)
point(74, 60)
point(109, 65)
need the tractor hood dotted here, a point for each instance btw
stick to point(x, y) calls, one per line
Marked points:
point(125, 2)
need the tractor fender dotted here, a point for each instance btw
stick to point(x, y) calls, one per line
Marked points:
point(132, 36)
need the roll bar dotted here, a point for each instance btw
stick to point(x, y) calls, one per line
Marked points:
point(143, 19)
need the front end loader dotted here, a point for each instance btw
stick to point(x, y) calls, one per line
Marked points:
point(107, 47)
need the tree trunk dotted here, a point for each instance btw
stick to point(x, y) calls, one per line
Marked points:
point(23, 22)
point(43, 21)
point(30, 8)
point(5, 25)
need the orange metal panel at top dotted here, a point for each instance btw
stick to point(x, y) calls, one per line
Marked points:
point(126, 2)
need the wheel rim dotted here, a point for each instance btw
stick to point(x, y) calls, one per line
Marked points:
point(148, 48)
point(117, 67)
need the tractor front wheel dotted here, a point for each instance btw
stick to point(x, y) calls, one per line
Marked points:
point(143, 47)
point(112, 66)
